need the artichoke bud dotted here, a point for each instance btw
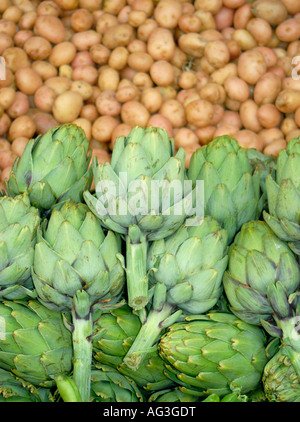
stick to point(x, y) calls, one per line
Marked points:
point(73, 254)
point(19, 222)
point(229, 179)
point(54, 168)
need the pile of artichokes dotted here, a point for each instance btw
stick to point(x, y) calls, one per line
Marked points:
point(114, 288)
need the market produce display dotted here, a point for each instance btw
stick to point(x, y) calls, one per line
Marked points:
point(149, 201)
point(220, 320)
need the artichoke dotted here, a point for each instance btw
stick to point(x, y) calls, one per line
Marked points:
point(257, 260)
point(216, 353)
point(76, 269)
point(142, 195)
point(117, 330)
point(108, 385)
point(54, 167)
point(18, 226)
point(34, 343)
point(283, 194)
point(232, 192)
point(280, 380)
point(186, 270)
point(13, 389)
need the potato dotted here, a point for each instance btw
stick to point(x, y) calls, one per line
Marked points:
point(289, 30)
point(275, 147)
point(244, 39)
point(22, 126)
point(67, 106)
point(108, 79)
point(142, 80)
point(167, 13)
point(292, 6)
point(251, 66)
point(113, 6)
point(48, 7)
point(229, 130)
point(189, 23)
point(192, 43)
point(44, 98)
point(18, 145)
point(242, 16)
point(63, 53)
point(107, 104)
point(83, 88)
point(15, 58)
point(81, 20)
point(134, 113)
point(288, 125)
point(59, 84)
point(236, 88)
point(27, 21)
point(267, 88)
point(249, 139)
point(217, 53)
point(219, 76)
point(151, 98)
point(162, 73)
point(43, 121)
point(158, 120)
point(185, 137)
point(118, 58)
point(260, 29)
point(212, 6)
point(140, 61)
point(231, 118)
point(28, 80)
point(88, 74)
point(127, 92)
point(103, 127)
point(8, 27)
point(268, 116)
point(51, 28)
point(199, 113)
point(118, 35)
point(269, 135)
point(272, 11)
point(37, 48)
point(86, 125)
point(7, 159)
point(249, 116)
point(120, 130)
point(5, 122)
point(84, 40)
point(213, 93)
point(7, 97)
point(288, 100)
point(161, 44)
point(6, 41)
point(174, 111)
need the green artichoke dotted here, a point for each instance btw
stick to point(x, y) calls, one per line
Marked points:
point(34, 343)
point(280, 380)
point(76, 269)
point(73, 253)
point(142, 195)
point(214, 353)
point(108, 385)
point(54, 167)
point(187, 271)
point(283, 194)
point(174, 395)
point(117, 330)
point(13, 389)
point(18, 225)
point(232, 193)
point(258, 259)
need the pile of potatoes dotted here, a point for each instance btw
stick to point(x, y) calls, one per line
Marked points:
point(200, 69)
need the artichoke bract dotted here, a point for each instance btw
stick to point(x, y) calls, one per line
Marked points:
point(34, 343)
point(18, 226)
point(232, 187)
point(108, 385)
point(283, 195)
point(214, 353)
point(142, 195)
point(13, 389)
point(280, 380)
point(258, 259)
point(53, 168)
point(117, 330)
point(186, 270)
point(76, 269)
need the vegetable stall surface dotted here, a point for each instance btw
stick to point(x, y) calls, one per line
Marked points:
point(200, 69)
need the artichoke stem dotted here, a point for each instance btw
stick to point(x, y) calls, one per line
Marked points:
point(136, 271)
point(147, 336)
point(82, 345)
